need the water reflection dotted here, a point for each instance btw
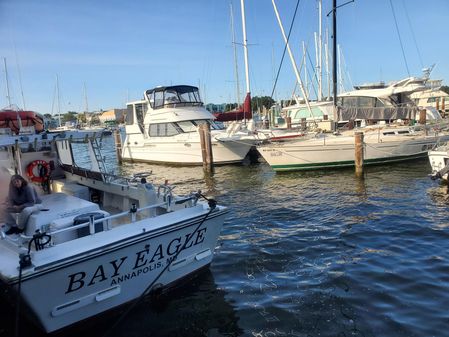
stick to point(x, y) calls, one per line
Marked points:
point(193, 309)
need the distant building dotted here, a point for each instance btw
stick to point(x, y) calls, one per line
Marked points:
point(113, 115)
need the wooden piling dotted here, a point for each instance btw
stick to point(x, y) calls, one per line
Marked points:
point(437, 102)
point(118, 145)
point(289, 122)
point(206, 147)
point(303, 123)
point(422, 116)
point(443, 107)
point(358, 139)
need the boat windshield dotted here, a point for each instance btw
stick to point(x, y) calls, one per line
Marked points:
point(180, 95)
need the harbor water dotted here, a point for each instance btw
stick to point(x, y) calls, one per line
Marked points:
point(301, 254)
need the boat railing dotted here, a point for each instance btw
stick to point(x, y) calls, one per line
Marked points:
point(132, 213)
point(92, 221)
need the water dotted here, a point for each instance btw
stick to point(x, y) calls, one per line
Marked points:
point(305, 254)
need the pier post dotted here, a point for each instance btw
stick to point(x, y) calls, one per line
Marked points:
point(443, 107)
point(422, 116)
point(358, 139)
point(206, 147)
point(437, 102)
point(289, 122)
point(303, 123)
point(118, 145)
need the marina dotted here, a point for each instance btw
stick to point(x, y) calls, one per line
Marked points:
point(163, 206)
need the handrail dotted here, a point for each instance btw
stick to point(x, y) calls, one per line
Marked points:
point(95, 221)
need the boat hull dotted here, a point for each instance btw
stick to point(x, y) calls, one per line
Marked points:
point(183, 151)
point(72, 288)
point(335, 152)
point(439, 159)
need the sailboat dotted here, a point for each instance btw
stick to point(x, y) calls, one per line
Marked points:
point(17, 121)
point(384, 142)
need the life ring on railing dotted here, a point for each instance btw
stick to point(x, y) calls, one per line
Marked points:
point(43, 171)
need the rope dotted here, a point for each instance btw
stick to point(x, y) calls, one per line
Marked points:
point(400, 40)
point(212, 205)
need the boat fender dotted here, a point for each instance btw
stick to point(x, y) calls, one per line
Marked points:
point(43, 171)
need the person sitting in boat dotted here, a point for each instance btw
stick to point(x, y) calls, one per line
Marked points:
point(22, 197)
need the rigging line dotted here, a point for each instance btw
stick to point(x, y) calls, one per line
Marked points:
point(212, 205)
point(399, 35)
point(413, 34)
point(285, 48)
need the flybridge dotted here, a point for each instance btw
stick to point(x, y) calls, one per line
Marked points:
point(184, 95)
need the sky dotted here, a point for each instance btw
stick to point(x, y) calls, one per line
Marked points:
point(103, 53)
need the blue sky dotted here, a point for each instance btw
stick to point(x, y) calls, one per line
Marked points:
point(118, 49)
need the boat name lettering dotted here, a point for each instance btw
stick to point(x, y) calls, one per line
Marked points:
point(145, 260)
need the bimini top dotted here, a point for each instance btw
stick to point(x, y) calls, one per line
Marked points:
point(173, 96)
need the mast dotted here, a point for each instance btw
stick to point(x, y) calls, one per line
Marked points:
point(326, 53)
point(86, 107)
point(295, 68)
point(245, 46)
point(334, 54)
point(8, 97)
point(320, 52)
point(236, 69)
point(304, 57)
point(247, 102)
point(57, 100)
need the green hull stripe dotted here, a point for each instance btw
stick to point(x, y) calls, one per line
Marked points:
point(348, 163)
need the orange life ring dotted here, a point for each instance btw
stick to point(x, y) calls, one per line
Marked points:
point(43, 171)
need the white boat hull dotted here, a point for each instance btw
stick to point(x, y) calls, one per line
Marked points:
point(439, 159)
point(339, 151)
point(183, 151)
point(62, 288)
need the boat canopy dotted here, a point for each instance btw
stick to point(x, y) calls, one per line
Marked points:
point(178, 95)
point(377, 113)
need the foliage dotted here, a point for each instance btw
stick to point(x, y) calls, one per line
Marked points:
point(262, 101)
point(445, 88)
point(231, 106)
point(69, 116)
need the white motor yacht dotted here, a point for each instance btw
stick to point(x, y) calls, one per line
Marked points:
point(163, 128)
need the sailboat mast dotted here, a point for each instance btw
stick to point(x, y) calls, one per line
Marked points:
point(292, 59)
point(236, 69)
point(245, 46)
point(334, 52)
point(8, 97)
point(320, 52)
point(86, 107)
point(57, 100)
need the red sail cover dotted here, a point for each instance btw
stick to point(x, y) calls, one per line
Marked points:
point(9, 119)
point(236, 115)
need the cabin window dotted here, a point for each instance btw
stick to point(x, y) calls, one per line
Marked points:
point(349, 102)
point(171, 97)
point(158, 99)
point(431, 100)
point(163, 130)
point(187, 126)
point(141, 109)
point(379, 103)
point(129, 118)
point(215, 126)
point(366, 102)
